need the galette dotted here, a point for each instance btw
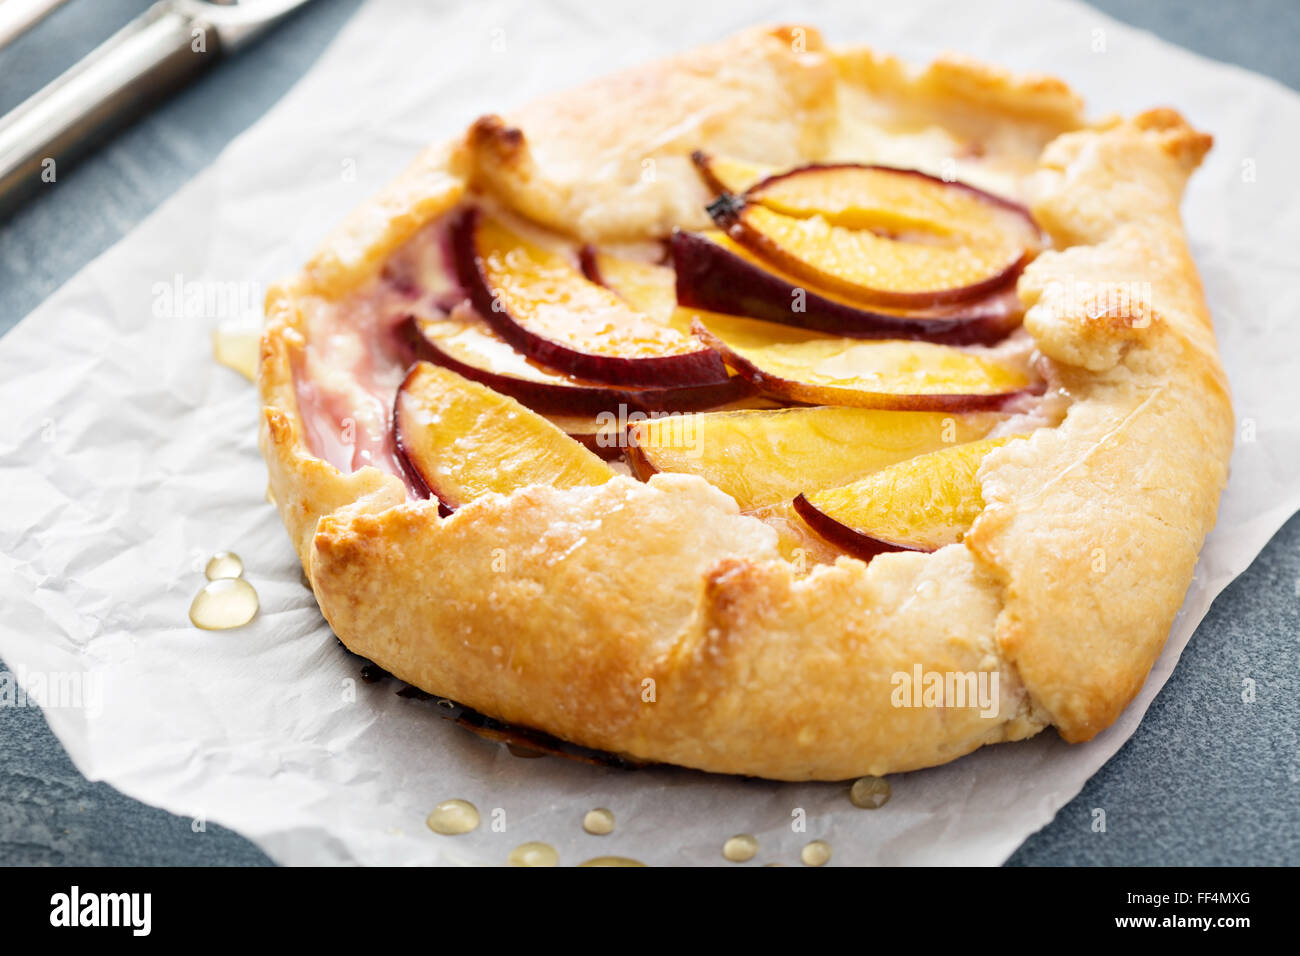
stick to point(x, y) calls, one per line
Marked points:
point(776, 409)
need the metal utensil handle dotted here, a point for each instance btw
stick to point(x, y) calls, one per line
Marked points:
point(19, 16)
point(144, 59)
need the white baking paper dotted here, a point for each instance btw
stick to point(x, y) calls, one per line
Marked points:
point(128, 456)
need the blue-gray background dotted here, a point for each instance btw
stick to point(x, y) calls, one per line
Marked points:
point(1207, 779)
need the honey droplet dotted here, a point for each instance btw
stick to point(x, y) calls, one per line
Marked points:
point(870, 793)
point(453, 817)
point(223, 604)
point(599, 822)
point(534, 854)
point(224, 564)
point(236, 344)
point(611, 861)
point(816, 853)
point(740, 848)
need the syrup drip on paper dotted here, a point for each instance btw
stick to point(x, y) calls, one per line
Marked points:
point(816, 853)
point(598, 822)
point(534, 854)
point(740, 848)
point(227, 600)
point(453, 817)
point(870, 793)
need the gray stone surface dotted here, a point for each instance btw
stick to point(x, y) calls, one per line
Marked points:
point(1207, 779)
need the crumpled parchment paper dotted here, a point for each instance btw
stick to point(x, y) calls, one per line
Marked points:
point(128, 457)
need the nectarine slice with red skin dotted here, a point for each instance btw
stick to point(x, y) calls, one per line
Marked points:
point(901, 204)
point(465, 440)
point(712, 274)
point(716, 274)
point(895, 201)
point(762, 458)
point(921, 504)
point(886, 199)
point(867, 267)
point(535, 299)
point(797, 365)
point(723, 174)
point(472, 349)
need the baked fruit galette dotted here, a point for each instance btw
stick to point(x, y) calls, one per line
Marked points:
point(772, 410)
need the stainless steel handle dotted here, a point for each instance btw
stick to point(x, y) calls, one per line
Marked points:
point(19, 16)
point(146, 58)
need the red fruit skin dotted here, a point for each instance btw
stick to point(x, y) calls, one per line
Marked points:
point(590, 265)
point(580, 398)
point(699, 367)
point(642, 467)
point(854, 542)
point(715, 279)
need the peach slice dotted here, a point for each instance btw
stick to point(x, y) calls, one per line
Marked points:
point(801, 366)
point(711, 273)
point(605, 433)
point(604, 436)
point(719, 275)
point(895, 202)
point(725, 175)
point(766, 457)
point(470, 347)
point(920, 504)
point(464, 440)
point(646, 286)
point(539, 302)
point(866, 267)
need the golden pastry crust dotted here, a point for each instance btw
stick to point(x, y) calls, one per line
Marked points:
point(656, 621)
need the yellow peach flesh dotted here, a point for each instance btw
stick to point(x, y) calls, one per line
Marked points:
point(724, 174)
point(896, 201)
point(471, 343)
point(466, 440)
point(766, 457)
point(869, 267)
point(543, 291)
point(923, 503)
point(890, 373)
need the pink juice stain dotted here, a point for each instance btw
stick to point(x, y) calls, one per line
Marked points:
point(353, 430)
